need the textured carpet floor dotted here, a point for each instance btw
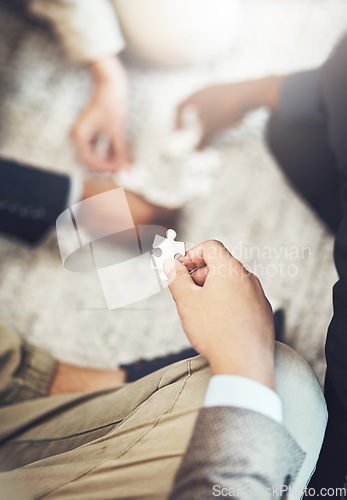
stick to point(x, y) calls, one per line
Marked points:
point(250, 206)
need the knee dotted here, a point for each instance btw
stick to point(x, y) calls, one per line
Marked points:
point(304, 408)
point(298, 387)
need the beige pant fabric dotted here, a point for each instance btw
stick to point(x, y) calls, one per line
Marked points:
point(125, 442)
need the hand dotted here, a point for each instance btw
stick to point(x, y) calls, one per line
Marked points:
point(224, 105)
point(103, 121)
point(224, 312)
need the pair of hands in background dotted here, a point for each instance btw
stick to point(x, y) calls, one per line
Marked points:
point(100, 132)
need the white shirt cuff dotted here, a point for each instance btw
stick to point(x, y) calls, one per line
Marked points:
point(242, 392)
point(75, 190)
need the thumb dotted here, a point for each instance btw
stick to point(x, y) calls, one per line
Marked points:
point(205, 139)
point(180, 281)
point(179, 114)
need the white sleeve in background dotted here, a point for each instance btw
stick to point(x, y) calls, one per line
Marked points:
point(75, 190)
point(88, 29)
point(242, 392)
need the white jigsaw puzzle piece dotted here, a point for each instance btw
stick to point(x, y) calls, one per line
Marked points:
point(166, 248)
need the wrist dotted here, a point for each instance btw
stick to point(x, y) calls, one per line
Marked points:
point(259, 93)
point(266, 91)
point(106, 70)
point(259, 367)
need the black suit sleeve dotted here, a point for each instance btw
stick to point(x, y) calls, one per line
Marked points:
point(30, 200)
point(332, 465)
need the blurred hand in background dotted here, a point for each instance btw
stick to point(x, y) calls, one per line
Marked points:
point(221, 106)
point(100, 131)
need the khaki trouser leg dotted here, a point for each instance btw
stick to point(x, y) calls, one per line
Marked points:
point(26, 371)
point(125, 442)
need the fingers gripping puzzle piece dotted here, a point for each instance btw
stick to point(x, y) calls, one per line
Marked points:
point(166, 248)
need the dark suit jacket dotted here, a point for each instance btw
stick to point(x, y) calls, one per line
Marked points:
point(220, 452)
point(320, 97)
point(30, 200)
point(332, 466)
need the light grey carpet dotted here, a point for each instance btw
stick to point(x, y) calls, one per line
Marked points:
point(250, 206)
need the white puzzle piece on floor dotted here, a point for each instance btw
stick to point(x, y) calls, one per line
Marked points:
point(166, 248)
